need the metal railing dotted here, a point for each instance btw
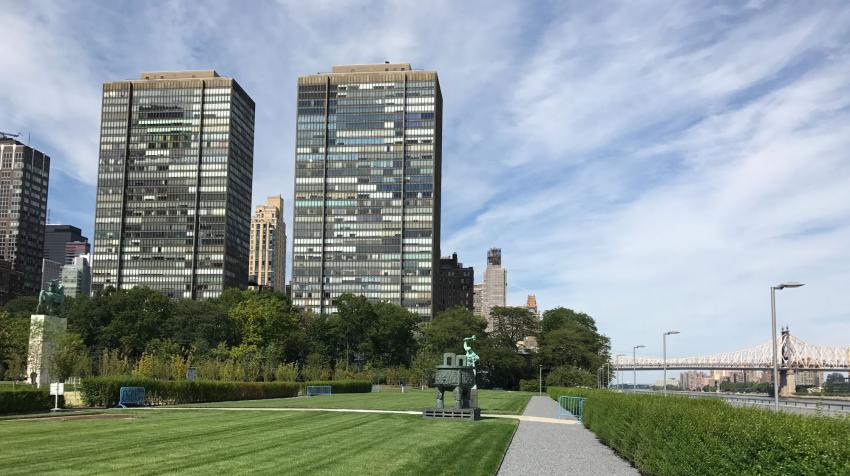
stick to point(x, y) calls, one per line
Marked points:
point(569, 406)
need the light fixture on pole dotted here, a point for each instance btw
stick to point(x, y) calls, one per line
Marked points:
point(619, 371)
point(664, 344)
point(789, 284)
point(634, 366)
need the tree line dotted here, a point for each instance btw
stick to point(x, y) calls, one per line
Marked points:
point(261, 336)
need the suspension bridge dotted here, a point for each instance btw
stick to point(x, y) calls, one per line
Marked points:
point(793, 354)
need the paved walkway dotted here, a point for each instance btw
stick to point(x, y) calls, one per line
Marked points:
point(541, 448)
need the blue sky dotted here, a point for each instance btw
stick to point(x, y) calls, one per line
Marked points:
point(656, 165)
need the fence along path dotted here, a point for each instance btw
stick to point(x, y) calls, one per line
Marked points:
point(543, 448)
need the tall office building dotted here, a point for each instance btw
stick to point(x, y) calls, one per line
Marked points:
point(50, 271)
point(493, 293)
point(367, 187)
point(174, 184)
point(267, 260)
point(76, 248)
point(24, 175)
point(57, 237)
point(455, 285)
point(76, 277)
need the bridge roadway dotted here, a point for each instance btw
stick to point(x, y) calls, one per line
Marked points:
point(805, 405)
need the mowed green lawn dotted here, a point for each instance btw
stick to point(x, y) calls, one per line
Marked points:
point(490, 401)
point(238, 442)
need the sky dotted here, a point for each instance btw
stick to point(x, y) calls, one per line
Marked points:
point(656, 165)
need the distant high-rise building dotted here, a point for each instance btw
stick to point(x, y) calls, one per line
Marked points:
point(367, 187)
point(455, 286)
point(267, 262)
point(531, 305)
point(24, 175)
point(50, 271)
point(76, 277)
point(56, 239)
point(478, 299)
point(174, 184)
point(74, 249)
point(494, 290)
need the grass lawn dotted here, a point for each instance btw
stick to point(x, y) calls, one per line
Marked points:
point(213, 442)
point(490, 401)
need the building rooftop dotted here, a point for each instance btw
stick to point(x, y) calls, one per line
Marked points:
point(191, 74)
point(371, 68)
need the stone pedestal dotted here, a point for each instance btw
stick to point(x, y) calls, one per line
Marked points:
point(787, 383)
point(45, 332)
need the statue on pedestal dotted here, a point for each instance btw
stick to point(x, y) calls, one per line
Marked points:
point(50, 301)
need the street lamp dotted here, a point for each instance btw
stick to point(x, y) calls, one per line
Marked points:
point(540, 381)
point(664, 339)
point(634, 366)
point(789, 284)
point(619, 371)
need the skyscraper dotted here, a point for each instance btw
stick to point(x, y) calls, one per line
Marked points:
point(56, 238)
point(367, 187)
point(174, 184)
point(267, 260)
point(493, 293)
point(24, 175)
point(455, 285)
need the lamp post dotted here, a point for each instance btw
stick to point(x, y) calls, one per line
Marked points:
point(789, 284)
point(619, 371)
point(634, 366)
point(540, 381)
point(664, 344)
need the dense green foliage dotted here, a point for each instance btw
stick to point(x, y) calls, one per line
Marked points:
point(105, 391)
point(680, 435)
point(569, 376)
point(239, 442)
point(259, 336)
point(24, 398)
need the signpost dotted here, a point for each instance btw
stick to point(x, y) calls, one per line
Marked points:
point(57, 388)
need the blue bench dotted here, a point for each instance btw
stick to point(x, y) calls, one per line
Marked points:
point(131, 397)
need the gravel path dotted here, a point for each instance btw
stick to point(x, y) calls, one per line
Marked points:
point(546, 448)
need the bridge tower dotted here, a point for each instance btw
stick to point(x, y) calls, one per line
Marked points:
point(787, 381)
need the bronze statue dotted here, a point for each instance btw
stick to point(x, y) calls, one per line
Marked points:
point(50, 300)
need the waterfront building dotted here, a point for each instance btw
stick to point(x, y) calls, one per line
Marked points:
point(174, 184)
point(367, 187)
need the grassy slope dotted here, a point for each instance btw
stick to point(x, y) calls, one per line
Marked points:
point(490, 401)
point(239, 442)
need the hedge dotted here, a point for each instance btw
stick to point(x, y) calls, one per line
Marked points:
point(26, 399)
point(682, 435)
point(104, 391)
point(341, 386)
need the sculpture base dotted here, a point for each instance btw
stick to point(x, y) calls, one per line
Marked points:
point(455, 413)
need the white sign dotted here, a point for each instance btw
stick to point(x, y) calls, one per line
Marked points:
point(57, 389)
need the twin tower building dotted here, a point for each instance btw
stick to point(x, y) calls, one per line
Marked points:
point(176, 169)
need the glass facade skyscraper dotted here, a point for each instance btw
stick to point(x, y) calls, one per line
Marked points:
point(174, 184)
point(367, 187)
point(24, 175)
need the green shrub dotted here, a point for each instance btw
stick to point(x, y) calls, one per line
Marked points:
point(681, 435)
point(105, 391)
point(341, 386)
point(530, 385)
point(569, 376)
point(25, 398)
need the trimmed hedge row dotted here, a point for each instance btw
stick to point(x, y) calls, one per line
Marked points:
point(27, 399)
point(104, 391)
point(681, 435)
point(341, 386)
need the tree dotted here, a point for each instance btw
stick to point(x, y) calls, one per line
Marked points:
point(511, 324)
point(446, 331)
point(502, 366)
point(570, 376)
point(14, 340)
point(70, 358)
point(571, 338)
point(391, 339)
